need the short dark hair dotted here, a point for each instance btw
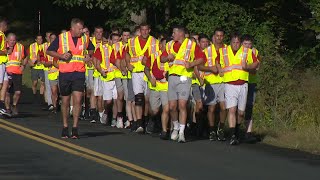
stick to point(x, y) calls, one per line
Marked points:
point(125, 30)
point(114, 34)
point(144, 24)
point(235, 35)
point(246, 37)
point(98, 27)
point(218, 30)
point(38, 35)
point(52, 34)
point(180, 28)
point(202, 36)
point(114, 28)
point(76, 21)
point(3, 20)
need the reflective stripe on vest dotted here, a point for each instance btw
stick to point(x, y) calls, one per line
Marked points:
point(14, 59)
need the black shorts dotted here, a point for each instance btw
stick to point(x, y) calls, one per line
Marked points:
point(69, 82)
point(15, 82)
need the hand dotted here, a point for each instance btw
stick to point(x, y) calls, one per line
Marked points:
point(66, 56)
point(244, 66)
point(87, 59)
point(103, 73)
point(221, 74)
point(170, 57)
point(153, 82)
point(130, 67)
point(10, 50)
point(124, 72)
point(188, 64)
point(21, 68)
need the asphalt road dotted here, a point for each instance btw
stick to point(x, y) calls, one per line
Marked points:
point(105, 152)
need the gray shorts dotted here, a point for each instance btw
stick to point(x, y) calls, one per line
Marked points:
point(196, 94)
point(157, 99)
point(236, 96)
point(53, 82)
point(89, 79)
point(119, 84)
point(179, 89)
point(214, 93)
point(3, 73)
point(37, 74)
point(130, 91)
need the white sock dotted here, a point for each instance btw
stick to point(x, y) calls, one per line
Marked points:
point(101, 114)
point(175, 125)
point(71, 108)
point(182, 127)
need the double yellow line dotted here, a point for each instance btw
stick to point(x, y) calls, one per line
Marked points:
point(109, 161)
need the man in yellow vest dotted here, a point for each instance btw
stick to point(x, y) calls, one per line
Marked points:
point(247, 41)
point(104, 63)
point(53, 73)
point(4, 51)
point(120, 79)
point(74, 50)
point(156, 73)
point(182, 56)
point(14, 67)
point(139, 48)
point(197, 125)
point(36, 56)
point(45, 70)
point(94, 83)
point(235, 63)
point(214, 87)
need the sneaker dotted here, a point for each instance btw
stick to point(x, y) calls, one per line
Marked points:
point(113, 123)
point(50, 107)
point(87, 115)
point(104, 118)
point(119, 122)
point(234, 140)
point(14, 111)
point(249, 138)
point(164, 135)
point(181, 138)
point(220, 134)
point(133, 126)
point(65, 133)
point(140, 130)
point(75, 134)
point(127, 125)
point(93, 121)
point(213, 136)
point(174, 135)
point(150, 126)
point(5, 113)
point(54, 110)
point(94, 116)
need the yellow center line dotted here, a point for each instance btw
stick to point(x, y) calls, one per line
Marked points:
point(74, 152)
point(91, 152)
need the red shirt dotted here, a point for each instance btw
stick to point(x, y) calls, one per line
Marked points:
point(198, 54)
point(97, 54)
point(1, 39)
point(157, 73)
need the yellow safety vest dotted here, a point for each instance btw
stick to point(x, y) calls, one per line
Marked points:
point(33, 54)
point(254, 77)
point(45, 46)
point(232, 64)
point(161, 85)
point(105, 63)
point(118, 47)
point(137, 54)
point(209, 77)
point(3, 58)
point(53, 72)
point(185, 53)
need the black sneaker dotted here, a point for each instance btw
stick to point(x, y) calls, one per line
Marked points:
point(249, 138)
point(134, 126)
point(220, 134)
point(75, 134)
point(150, 126)
point(213, 136)
point(234, 140)
point(65, 133)
point(164, 135)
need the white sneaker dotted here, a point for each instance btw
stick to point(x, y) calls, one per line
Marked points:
point(181, 138)
point(119, 122)
point(139, 130)
point(93, 121)
point(113, 123)
point(174, 135)
point(127, 124)
point(103, 119)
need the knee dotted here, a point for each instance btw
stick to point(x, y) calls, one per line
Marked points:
point(17, 93)
point(241, 114)
point(173, 107)
point(139, 99)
